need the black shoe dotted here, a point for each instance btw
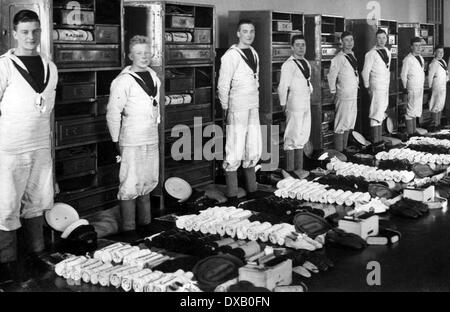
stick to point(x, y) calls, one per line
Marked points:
point(8, 272)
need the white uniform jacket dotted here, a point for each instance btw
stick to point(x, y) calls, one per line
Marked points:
point(131, 116)
point(375, 73)
point(342, 79)
point(413, 74)
point(238, 85)
point(293, 90)
point(24, 125)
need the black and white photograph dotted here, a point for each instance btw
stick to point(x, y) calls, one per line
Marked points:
point(224, 151)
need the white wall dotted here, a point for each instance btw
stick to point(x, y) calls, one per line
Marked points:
point(400, 10)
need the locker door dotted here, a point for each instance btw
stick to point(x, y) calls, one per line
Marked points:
point(10, 7)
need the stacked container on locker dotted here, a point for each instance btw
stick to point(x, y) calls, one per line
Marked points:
point(183, 47)
point(87, 49)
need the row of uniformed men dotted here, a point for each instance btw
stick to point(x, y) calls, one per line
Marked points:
point(238, 89)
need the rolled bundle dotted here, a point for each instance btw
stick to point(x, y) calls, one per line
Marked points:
point(274, 235)
point(116, 277)
point(139, 283)
point(98, 253)
point(181, 36)
point(407, 176)
point(106, 255)
point(162, 284)
point(168, 36)
point(253, 233)
point(77, 269)
point(285, 191)
point(118, 254)
point(221, 228)
point(155, 262)
point(302, 190)
point(231, 229)
point(311, 191)
point(142, 261)
point(332, 198)
point(363, 198)
point(264, 235)
point(285, 182)
point(87, 272)
point(245, 214)
point(127, 281)
point(181, 220)
point(70, 265)
point(340, 200)
point(315, 194)
point(324, 197)
point(198, 223)
point(292, 192)
point(104, 277)
point(93, 275)
point(135, 254)
point(350, 201)
point(60, 267)
point(242, 230)
point(204, 227)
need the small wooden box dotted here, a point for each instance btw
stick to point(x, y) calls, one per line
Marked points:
point(362, 227)
point(271, 277)
point(107, 34)
point(202, 35)
point(422, 195)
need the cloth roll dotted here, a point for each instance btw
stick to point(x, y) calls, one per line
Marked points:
point(116, 278)
point(127, 281)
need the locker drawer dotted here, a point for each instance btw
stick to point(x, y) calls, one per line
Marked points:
point(184, 114)
point(107, 34)
point(203, 95)
point(94, 199)
point(281, 52)
point(80, 130)
point(180, 84)
point(182, 53)
point(76, 91)
point(73, 56)
point(282, 26)
point(71, 17)
point(177, 21)
point(108, 175)
point(194, 172)
point(74, 166)
point(202, 35)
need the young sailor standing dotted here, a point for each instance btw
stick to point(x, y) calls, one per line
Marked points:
point(376, 78)
point(295, 90)
point(133, 116)
point(343, 80)
point(238, 90)
point(413, 79)
point(438, 76)
point(27, 97)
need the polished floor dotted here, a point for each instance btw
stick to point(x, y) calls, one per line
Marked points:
point(420, 261)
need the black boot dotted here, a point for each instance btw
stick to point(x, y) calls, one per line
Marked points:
point(339, 142)
point(8, 272)
point(232, 183)
point(290, 160)
point(345, 143)
point(409, 127)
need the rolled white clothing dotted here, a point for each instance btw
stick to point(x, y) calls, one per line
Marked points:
point(77, 269)
point(119, 254)
point(136, 254)
point(139, 283)
point(264, 236)
point(104, 278)
point(116, 278)
point(61, 266)
point(94, 274)
point(127, 281)
point(253, 233)
point(332, 199)
point(70, 265)
point(285, 182)
point(106, 255)
point(87, 272)
point(232, 228)
point(340, 200)
point(350, 201)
